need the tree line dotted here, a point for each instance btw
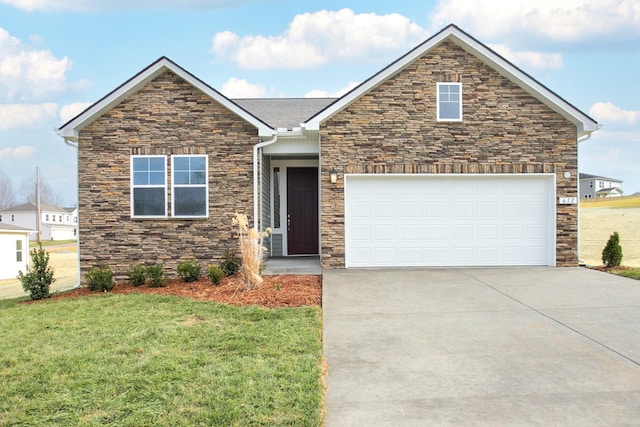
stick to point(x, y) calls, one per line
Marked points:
point(26, 192)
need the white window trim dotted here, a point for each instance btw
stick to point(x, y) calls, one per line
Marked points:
point(165, 186)
point(205, 186)
point(438, 85)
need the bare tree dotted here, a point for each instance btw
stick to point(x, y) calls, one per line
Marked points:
point(7, 196)
point(47, 194)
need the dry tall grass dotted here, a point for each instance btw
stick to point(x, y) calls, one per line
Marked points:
point(251, 251)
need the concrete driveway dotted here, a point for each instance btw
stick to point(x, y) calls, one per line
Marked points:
point(486, 346)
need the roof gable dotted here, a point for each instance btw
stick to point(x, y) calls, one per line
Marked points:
point(70, 130)
point(585, 124)
point(599, 177)
point(31, 207)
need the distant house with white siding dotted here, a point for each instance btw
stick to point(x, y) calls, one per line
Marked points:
point(592, 186)
point(55, 223)
point(14, 250)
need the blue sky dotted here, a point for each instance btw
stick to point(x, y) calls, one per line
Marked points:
point(58, 56)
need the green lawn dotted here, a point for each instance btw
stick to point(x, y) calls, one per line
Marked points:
point(148, 360)
point(46, 243)
point(633, 273)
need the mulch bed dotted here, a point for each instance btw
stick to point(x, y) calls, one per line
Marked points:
point(275, 291)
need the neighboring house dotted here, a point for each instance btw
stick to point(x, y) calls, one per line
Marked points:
point(14, 250)
point(449, 156)
point(55, 223)
point(599, 186)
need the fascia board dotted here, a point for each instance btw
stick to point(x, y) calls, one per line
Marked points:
point(70, 129)
point(584, 123)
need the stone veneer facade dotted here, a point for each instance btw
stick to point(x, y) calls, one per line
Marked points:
point(393, 129)
point(167, 116)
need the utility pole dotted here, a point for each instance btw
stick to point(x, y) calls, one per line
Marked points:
point(38, 215)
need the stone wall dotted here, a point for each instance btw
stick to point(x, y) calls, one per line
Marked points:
point(393, 129)
point(167, 116)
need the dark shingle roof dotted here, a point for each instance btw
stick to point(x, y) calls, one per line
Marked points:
point(284, 112)
point(9, 227)
point(31, 207)
point(603, 178)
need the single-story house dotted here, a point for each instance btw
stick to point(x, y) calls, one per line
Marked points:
point(449, 156)
point(592, 186)
point(14, 250)
point(55, 223)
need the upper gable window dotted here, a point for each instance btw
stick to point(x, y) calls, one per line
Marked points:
point(148, 186)
point(449, 102)
point(190, 186)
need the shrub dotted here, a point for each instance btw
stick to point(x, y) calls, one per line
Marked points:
point(612, 252)
point(155, 274)
point(137, 275)
point(230, 263)
point(251, 251)
point(189, 270)
point(99, 279)
point(39, 277)
point(215, 274)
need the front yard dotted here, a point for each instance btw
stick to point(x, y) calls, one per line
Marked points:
point(158, 360)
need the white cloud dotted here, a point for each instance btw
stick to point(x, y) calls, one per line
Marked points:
point(13, 116)
point(529, 59)
point(26, 73)
point(19, 153)
point(607, 112)
point(240, 88)
point(317, 93)
point(566, 20)
point(313, 39)
point(92, 5)
point(69, 111)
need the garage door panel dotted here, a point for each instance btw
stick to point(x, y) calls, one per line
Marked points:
point(384, 210)
point(384, 232)
point(436, 233)
point(449, 220)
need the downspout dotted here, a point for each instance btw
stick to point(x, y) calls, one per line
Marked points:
point(256, 188)
point(584, 138)
point(72, 145)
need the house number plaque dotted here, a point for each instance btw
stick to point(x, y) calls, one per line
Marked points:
point(567, 200)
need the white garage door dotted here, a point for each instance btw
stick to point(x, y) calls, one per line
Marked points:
point(450, 220)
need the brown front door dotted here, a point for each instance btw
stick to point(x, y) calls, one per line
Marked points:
point(302, 211)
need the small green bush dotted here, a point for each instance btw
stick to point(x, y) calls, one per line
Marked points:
point(39, 277)
point(99, 279)
point(215, 274)
point(189, 270)
point(230, 264)
point(612, 252)
point(155, 274)
point(137, 275)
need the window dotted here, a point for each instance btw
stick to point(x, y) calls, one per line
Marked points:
point(276, 197)
point(59, 218)
point(600, 184)
point(18, 250)
point(190, 187)
point(0, 218)
point(148, 186)
point(13, 218)
point(46, 217)
point(449, 102)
